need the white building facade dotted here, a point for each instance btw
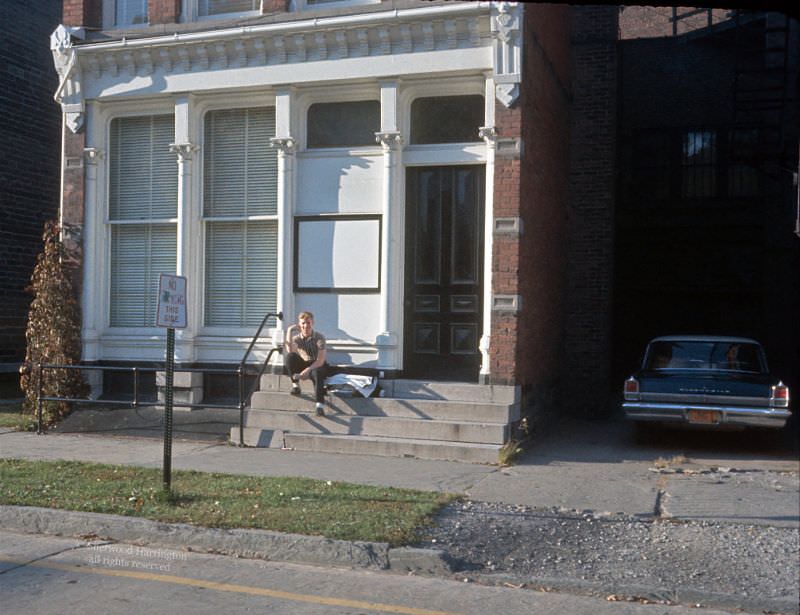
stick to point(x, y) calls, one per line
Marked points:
point(337, 158)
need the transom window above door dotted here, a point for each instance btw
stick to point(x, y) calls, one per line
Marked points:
point(344, 124)
point(446, 119)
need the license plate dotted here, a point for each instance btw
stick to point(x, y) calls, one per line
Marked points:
point(704, 417)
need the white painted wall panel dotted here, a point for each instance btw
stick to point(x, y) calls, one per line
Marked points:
point(339, 184)
point(350, 319)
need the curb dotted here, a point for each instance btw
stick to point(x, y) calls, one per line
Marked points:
point(246, 543)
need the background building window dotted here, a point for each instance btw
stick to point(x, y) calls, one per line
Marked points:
point(207, 8)
point(446, 119)
point(699, 173)
point(240, 175)
point(344, 124)
point(647, 171)
point(130, 12)
point(143, 201)
point(743, 158)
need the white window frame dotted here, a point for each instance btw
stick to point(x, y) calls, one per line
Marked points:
point(109, 223)
point(446, 153)
point(100, 340)
point(313, 95)
point(222, 103)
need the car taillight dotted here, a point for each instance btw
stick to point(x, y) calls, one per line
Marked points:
point(780, 396)
point(631, 389)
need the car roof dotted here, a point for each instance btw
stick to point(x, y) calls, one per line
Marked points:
point(704, 338)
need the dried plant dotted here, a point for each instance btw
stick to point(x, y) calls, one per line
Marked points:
point(53, 334)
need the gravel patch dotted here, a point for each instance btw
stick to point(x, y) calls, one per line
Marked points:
point(621, 557)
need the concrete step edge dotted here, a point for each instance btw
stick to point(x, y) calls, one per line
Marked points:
point(389, 406)
point(391, 427)
point(395, 447)
point(423, 389)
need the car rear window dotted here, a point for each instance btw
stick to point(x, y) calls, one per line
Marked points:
point(724, 355)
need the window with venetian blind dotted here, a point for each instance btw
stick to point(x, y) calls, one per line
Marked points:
point(240, 177)
point(143, 199)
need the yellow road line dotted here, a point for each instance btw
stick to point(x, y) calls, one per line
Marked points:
point(228, 587)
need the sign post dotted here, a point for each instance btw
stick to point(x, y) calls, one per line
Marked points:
point(172, 315)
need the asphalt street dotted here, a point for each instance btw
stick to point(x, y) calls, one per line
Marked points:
point(590, 470)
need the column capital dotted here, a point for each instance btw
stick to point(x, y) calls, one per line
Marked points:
point(183, 150)
point(488, 134)
point(286, 145)
point(391, 141)
point(93, 155)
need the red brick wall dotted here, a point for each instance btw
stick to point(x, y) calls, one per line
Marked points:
point(590, 228)
point(83, 13)
point(525, 345)
point(274, 6)
point(72, 210)
point(505, 251)
point(30, 154)
point(545, 189)
point(163, 11)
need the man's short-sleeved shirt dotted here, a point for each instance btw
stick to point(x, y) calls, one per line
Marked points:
point(309, 347)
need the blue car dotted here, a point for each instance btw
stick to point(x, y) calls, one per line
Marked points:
point(708, 381)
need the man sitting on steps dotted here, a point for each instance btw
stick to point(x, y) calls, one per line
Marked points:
point(305, 357)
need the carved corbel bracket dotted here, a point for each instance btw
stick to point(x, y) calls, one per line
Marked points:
point(68, 93)
point(507, 33)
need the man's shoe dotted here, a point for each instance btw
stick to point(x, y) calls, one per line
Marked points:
point(320, 410)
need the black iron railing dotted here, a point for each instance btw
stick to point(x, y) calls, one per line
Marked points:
point(241, 371)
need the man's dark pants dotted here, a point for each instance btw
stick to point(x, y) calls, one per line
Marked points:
point(296, 364)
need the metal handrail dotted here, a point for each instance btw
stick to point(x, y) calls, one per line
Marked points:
point(278, 315)
point(239, 371)
point(242, 366)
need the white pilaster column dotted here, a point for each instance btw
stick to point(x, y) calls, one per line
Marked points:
point(186, 246)
point(286, 173)
point(391, 298)
point(286, 147)
point(90, 335)
point(489, 135)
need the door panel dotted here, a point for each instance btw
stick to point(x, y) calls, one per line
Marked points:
point(444, 276)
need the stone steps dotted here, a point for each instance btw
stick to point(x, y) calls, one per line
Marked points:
point(386, 426)
point(428, 420)
point(432, 409)
point(442, 450)
point(418, 389)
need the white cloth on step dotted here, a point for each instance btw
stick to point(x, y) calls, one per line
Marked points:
point(363, 384)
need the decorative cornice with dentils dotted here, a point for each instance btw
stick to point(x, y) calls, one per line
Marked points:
point(273, 49)
point(452, 27)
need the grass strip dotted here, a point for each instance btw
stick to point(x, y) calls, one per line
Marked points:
point(336, 510)
point(11, 417)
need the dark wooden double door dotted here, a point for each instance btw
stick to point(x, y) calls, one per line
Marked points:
point(444, 272)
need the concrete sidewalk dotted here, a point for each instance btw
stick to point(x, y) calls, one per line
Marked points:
point(594, 466)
